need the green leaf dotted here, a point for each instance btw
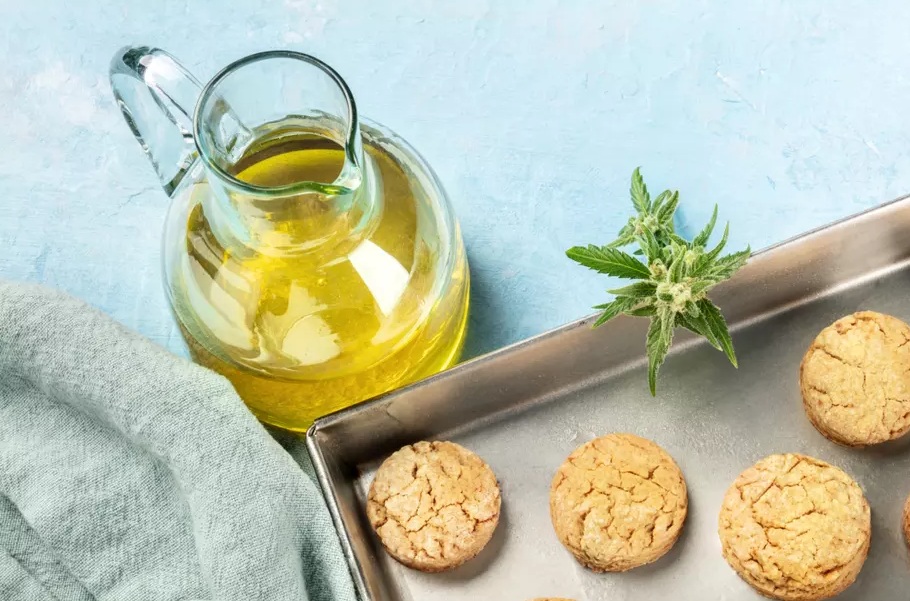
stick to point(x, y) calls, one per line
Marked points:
point(644, 311)
point(698, 326)
point(666, 231)
point(679, 240)
point(637, 290)
point(639, 190)
point(692, 309)
point(612, 309)
point(720, 245)
point(625, 235)
point(609, 261)
point(678, 266)
point(715, 322)
point(658, 344)
point(622, 241)
point(699, 286)
point(702, 238)
point(649, 244)
point(656, 353)
point(685, 321)
point(704, 264)
point(725, 267)
point(667, 323)
point(655, 206)
point(665, 214)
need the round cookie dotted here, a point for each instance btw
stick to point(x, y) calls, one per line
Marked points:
point(855, 379)
point(434, 505)
point(618, 502)
point(795, 528)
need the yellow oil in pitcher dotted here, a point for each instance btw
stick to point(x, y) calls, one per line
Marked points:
point(311, 256)
point(302, 334)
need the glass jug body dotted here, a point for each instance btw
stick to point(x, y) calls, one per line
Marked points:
point(309, 257)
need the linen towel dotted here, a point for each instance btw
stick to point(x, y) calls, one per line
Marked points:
point(127, 473)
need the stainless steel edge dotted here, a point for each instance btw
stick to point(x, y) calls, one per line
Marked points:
point(325, 478)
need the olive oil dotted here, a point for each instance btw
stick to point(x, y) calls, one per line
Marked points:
point(324, 300)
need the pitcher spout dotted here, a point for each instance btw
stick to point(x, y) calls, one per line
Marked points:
point(289, 174)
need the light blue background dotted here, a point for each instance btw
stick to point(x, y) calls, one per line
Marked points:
point(533, 112)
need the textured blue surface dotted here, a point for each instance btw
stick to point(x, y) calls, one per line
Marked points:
point(533, 112)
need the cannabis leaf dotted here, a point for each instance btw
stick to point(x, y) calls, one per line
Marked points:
point(609, 261)
point(672, 285)
point(654, 220)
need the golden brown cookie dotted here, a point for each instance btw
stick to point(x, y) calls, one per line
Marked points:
point(618, 502)
point(855, 379)
point(795, 528)
point(434, 505)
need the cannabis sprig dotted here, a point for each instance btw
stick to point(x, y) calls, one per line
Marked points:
point(672, 285)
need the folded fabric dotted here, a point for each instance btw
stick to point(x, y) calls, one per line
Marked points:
point(127, 473)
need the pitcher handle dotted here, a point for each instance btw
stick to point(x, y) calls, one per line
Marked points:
point(157, 97)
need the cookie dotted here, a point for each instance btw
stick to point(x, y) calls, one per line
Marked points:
point(795, 528)
point(618, 502)
point(855, 379)
point(434, 505)
point(905, 522)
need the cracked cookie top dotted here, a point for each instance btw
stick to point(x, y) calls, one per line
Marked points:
point(618, 502)
point(795, 528)
point(434, 505)
point(855, 379)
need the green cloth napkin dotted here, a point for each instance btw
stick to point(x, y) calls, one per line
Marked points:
point(127, 473)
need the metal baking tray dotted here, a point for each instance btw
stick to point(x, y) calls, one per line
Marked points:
point(526, 407)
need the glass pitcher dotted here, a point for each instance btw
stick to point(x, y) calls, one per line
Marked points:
point(309, 256)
